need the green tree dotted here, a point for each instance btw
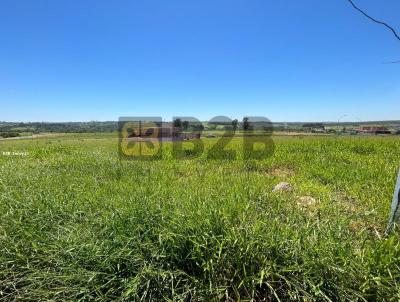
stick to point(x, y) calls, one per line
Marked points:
point(235, 123)
point(177, 123)
point(246, 123)
point(185, 125)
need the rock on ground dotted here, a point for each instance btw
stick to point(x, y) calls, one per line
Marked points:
point(283, 187)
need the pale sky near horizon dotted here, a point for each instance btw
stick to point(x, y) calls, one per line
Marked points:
point(286, 60)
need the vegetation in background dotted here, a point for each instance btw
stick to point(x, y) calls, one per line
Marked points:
point(244, 124)
point(9, 134)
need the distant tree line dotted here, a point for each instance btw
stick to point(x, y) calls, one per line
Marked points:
point(13, 129)
point(9, 134)
point(222, 124)
point(184, 125)
point(314, 125)
point(70, 127)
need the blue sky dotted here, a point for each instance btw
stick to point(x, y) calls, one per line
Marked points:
point(287, 60)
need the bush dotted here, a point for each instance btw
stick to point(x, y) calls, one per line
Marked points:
point(9, 134)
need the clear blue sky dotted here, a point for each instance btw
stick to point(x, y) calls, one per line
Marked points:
point(288, 60)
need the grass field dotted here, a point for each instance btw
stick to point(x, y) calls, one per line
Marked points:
point(78, 224)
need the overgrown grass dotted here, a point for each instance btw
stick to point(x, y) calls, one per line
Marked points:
point(78, 224)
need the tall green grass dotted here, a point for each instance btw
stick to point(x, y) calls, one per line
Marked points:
point(78, 224)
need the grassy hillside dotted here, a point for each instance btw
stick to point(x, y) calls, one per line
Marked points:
point(78, 224)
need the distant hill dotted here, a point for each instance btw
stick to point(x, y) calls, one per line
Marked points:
point(112, 126)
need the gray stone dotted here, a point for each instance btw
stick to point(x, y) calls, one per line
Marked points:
point(283, 187)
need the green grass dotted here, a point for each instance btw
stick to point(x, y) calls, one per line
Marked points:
point(78, 224)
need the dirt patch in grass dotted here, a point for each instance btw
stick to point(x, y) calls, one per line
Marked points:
point(282, 172)
point(350, 203)
point(306, 201)
point(358, 226)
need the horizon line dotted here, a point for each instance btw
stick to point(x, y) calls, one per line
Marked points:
point(274, 122)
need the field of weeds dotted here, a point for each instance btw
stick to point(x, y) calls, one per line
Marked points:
point(79, 224)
